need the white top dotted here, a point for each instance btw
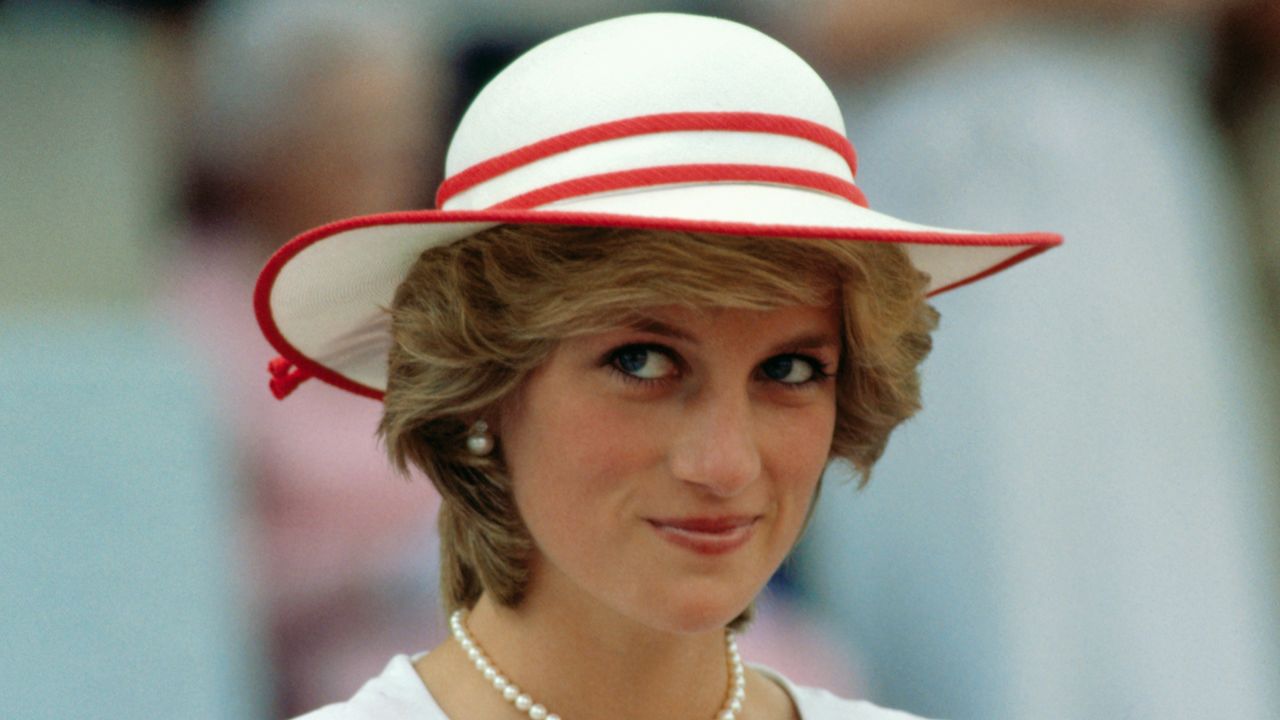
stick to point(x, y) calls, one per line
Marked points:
point(398, 694)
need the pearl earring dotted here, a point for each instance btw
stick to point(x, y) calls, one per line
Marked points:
point(479, 440)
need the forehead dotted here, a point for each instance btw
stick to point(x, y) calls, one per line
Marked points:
point(673, 317)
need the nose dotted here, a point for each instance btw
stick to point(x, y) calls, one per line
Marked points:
point(716, 446)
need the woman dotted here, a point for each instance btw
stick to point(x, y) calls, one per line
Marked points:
point(623, 351)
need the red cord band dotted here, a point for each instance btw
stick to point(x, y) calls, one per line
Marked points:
point(645, 125)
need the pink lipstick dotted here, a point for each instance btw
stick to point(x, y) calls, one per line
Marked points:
point(706, 535)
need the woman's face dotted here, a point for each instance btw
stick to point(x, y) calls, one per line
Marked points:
point(665, 469)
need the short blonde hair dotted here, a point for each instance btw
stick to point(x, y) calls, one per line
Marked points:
point(472, 319)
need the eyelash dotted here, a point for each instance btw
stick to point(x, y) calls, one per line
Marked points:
point(820, 369)
point(820, 372)
point(612, 358)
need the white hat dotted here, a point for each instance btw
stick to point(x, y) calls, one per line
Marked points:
point(663, 121)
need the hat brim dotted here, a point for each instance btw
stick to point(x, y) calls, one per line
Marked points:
point(322, 298)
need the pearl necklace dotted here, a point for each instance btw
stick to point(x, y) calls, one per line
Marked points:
point(536, 711)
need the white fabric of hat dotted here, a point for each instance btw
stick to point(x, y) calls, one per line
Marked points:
point(660, 120)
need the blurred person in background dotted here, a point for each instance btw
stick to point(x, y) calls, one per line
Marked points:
point(304, 112)
point(1093, 495)
point(1247, 84)
point(121, 584)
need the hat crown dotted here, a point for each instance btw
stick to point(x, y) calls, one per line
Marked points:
point(636, 66)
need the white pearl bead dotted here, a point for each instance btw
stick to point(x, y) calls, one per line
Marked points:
point(490, 673)
point(510, 692)
point(473, 653)
point(726, 715)
point(500, 683)
point(480, 444)
point(524, 702)
point(553, 716)
point(736, 705)
point(537, 712)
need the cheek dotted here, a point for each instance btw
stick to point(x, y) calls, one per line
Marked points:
point(798, 451)
point(579, 459)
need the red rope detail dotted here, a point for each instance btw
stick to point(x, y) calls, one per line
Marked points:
point(285, 377)
point(279, 367)
point(673, 174)
point(644, 125)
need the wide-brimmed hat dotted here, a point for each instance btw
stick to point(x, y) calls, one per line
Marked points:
point(662, 121)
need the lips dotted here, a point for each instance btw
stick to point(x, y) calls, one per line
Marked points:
point(706, 535)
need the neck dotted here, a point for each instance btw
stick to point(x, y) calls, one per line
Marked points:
point(581, 665)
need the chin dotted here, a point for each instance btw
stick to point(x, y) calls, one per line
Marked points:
point(693, 616)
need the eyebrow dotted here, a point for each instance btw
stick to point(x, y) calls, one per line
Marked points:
point(808, 341)
point(657, 327)
point(811, 341)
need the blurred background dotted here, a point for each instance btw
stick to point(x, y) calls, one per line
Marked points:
point(1084, 523)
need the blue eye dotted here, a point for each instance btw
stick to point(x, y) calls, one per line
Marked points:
point(791, 370)
point(642, 362)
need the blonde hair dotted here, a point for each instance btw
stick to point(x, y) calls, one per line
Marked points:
point(472, 319)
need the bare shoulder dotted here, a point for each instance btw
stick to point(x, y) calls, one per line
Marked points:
point(767, 700)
